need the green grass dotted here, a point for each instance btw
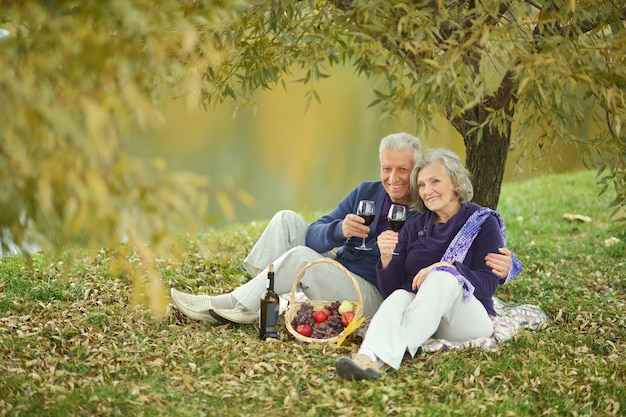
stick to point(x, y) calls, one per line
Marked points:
point(72, 343)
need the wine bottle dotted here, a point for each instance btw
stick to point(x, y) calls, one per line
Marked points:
point(270, 304)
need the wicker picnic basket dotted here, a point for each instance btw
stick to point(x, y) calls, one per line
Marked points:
point(294, 305)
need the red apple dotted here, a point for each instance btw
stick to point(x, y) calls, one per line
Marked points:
point(346, 318)
point(319, 316)
point(304, 329)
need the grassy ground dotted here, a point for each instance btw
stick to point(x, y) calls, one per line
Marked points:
point(72, 344)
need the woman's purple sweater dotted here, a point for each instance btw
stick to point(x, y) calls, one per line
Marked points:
point(423, 243)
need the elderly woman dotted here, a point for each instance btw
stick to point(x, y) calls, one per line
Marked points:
point(439, 284)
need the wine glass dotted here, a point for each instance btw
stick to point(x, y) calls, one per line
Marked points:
point(367, 211)
point(396, 218)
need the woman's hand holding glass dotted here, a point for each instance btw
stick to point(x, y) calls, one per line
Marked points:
point(396, 218)
point(387, 242)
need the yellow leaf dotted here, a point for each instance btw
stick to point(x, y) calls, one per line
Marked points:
point(572, 5)
point(226, 205)
point(484, 37)
point(354, 324)
point(188, 385)
point(245, 197)
point(522, 84)
point(432, 63)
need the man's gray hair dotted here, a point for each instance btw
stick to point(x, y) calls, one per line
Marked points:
point(452, 167)
point(401, 141)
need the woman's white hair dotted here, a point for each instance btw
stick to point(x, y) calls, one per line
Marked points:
point(452, 167)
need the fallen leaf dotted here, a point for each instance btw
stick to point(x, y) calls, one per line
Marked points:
point(579, 217)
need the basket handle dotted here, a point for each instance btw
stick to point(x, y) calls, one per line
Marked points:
point(292, 296)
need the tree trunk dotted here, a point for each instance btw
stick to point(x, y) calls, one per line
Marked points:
point(486, 160)
point(486, 156)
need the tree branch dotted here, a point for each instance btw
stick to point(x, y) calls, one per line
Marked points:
point(585, 26)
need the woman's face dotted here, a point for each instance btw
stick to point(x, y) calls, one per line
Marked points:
point(437, 191)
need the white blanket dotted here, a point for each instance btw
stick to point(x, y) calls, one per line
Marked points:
point(511, 319)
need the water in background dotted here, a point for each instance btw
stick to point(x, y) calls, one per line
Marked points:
point(289, 158)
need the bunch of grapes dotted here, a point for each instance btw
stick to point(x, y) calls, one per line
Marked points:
point(334, 322)
point(323, 331)
point(334, 307)
point(303, 315)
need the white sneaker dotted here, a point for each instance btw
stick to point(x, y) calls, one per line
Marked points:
point(196, 307)
point(237, 315)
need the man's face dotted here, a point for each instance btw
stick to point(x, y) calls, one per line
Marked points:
point(395, 173)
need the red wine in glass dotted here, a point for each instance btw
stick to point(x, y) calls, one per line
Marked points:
point(396, 218)
point(369, 218)
point(367, 211)
point(396, 225)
